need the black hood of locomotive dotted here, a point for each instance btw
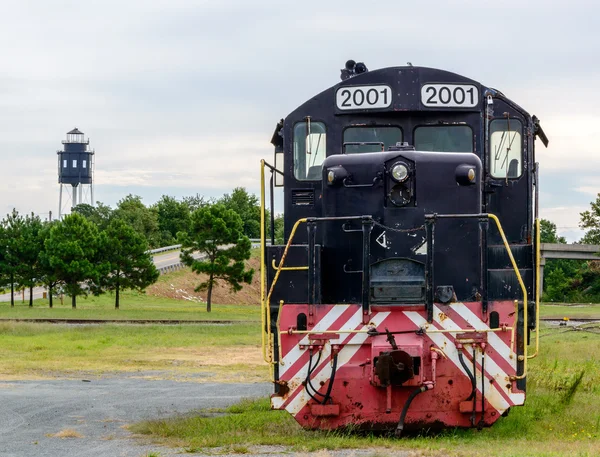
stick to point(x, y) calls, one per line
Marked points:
point(363, 185)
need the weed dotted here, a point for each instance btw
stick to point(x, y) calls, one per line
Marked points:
point(66, 433)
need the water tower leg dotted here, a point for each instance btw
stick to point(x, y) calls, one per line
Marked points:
point(92, 194)
point(81, 193)
point(74, 199)
point(60, 203)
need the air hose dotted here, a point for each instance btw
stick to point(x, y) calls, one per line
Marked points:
point(409, 400)
point(469, 374)
point(481, 421)
point(474, 386)
point(308, 381)
point(331, 379)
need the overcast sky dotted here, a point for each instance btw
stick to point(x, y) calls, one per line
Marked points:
point(181, 97)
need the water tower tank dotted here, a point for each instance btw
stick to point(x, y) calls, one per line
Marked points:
point(75, 171)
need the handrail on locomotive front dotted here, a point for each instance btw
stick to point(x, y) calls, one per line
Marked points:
point(538, 288)
point(523, 358)
point(267, 336)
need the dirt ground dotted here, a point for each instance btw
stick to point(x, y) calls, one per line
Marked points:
point(180, 285)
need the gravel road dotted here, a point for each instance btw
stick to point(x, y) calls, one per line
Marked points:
point(32, 411)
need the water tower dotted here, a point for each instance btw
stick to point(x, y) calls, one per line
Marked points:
point(75, 172)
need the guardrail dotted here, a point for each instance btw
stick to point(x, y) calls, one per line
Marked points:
point(177, 265)
point(255, 244)
point(164, 249)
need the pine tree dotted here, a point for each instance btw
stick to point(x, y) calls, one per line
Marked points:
point(71, 248)
point(28, 252)
point(13, 229)
point(217, 233)
point(125, 262)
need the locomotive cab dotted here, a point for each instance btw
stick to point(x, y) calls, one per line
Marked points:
point(404, 289)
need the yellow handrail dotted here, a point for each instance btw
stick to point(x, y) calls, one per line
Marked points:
point(524, 290)
point(538, 288)
point(262, 263)
point(276, 267)
point(283, 256)
point(266, 334)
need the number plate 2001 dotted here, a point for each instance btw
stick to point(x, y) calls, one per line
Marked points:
point(363, 97)
point(449, 95)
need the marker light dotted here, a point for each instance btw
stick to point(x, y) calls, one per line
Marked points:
point(400, 172)
point(330, 176)
point(471, 175)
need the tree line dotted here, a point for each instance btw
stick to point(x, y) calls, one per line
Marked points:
point(160, 223)
point(97, 249)
point(72, 256)
point(573, 280)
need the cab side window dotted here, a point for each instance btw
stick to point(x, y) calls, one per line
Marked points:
point(309, 150)
point(506, 151)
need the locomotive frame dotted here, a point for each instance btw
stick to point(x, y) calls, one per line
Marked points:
point(361, 353)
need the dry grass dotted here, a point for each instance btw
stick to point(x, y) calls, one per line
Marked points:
point(201, 353)
point(180, 285)
point(66, 433)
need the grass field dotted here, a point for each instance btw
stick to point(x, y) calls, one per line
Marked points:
point(579, 310)
point(196, 352)
point(561, 417)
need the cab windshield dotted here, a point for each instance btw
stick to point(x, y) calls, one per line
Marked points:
point(370, 139)
point(444, 138)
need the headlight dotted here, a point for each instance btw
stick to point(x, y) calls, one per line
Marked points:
point(400, 172)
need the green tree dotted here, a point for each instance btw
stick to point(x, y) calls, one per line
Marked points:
point(71, 249)
point(100, 214)
point(144, 220)
point(3, 254)
point(126, 263)
point(278, 227)
point(48, 273)
point(216, 232)
point(29, 248)
point(558, 273)
point(548, 233)
point(13, 225)
point(173, 217)
point(194, 202)
point(590, 221)
point(247, 207)
point(590, 273)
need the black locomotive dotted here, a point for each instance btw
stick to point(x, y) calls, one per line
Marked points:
point(418, 190)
